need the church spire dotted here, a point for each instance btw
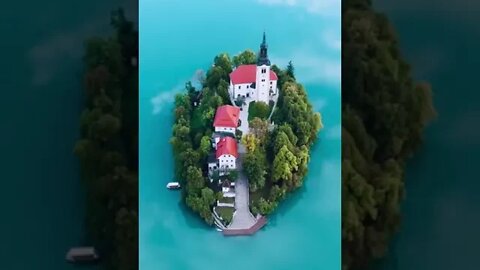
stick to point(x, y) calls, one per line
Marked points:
point(263, 55)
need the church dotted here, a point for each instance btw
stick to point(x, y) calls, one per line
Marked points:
point(255, 82)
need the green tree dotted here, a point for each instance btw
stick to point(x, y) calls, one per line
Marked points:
point(222, 91)
point(282, 140)
point(250, 142)
point(258, 109)
point(284, 165)
point(205, 146)
point(195, 181)
point(255, 167)
point(208, 196)
point(246, 57)
point(105, 127)
point(290, 70)
point(259, 128)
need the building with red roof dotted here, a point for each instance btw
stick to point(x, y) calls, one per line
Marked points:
point(227, 153)
point(226, 119)
point(255, 82)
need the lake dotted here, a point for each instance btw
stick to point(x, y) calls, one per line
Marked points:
point(178, 40)
point(441, 210)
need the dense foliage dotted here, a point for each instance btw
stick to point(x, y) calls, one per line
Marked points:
point(276, 160)
point(108, 147)
point(258, 109)
point(192, 130)
point(383, 116)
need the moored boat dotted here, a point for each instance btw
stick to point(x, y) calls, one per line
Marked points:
point(82, 254)
point(173, 185)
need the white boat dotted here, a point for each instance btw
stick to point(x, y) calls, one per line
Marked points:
point(173, 185)
point(82, 254)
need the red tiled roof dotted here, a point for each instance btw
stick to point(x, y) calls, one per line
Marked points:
point(227, 146)
point(226, 116)
point(247, 74)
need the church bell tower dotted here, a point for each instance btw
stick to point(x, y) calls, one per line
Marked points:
point(263, 73)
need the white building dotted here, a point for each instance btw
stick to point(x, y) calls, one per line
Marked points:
point(257, 82)
point(226, 119)
point(227, 154)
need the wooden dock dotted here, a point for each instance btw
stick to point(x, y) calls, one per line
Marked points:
point(250, 231)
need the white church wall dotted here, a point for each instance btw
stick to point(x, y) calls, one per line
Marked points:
point(241, 89)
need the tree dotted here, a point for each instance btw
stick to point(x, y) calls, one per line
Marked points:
point(250, 142)
point(208, 196)
point(195, 181)
point(105, 127)
point(246, 57)
point(222, 91)
point(238, 134)
point(290, 70)
point(233, 175)
point(282, 140)
point(284, 165)
point(277, 193)
point(205, 146)
point(259, 128)
point(266, 207)
point(287, 129)
point(258, 109)
point(255, 166)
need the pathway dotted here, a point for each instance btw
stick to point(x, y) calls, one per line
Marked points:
point(244, 118)
point(242, 219)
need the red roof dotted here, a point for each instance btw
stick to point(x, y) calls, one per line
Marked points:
point(227, 146)
point(247, 74)
point(226, 116)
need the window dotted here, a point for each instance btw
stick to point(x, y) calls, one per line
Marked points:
point(239, 87)
point(270, 82)
point(248, 86)
point(263, 80)
point(248, 94)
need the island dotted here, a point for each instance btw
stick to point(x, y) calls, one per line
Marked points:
point(242, 141)
point(384, 114)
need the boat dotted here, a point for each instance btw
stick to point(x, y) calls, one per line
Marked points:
point(82, 254)
point(173, 185)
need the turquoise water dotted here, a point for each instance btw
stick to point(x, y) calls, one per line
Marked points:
point(442, 207)
point(41, 196)
point(175, 41)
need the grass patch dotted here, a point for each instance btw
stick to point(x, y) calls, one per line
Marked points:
point(226, 213)
point(227, 200)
